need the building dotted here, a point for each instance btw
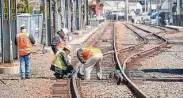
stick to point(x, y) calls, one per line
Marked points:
point(35, 5)
point(96, 7)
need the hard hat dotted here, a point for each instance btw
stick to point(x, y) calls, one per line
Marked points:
point(77, 49)
point(65, 30)
point(68, 47)
point(22, 26)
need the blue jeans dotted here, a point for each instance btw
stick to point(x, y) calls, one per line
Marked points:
point(25, 65)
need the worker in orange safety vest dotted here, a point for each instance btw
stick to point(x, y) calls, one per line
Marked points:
point(24, 41)
point(89, 57)
point(59, 41)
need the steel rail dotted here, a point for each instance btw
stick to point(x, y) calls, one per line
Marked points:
point(74, 89)
point(141, 53)
point(130, 84)
point(145, 41)
point(73, 84)
point(164, 28)
point(158, 27)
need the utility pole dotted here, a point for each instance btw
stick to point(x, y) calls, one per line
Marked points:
point(127, 10)
point(62, 14)
point(55, 17)
point(14, 27)
point(44, 38)
point(170, 10)
point(117, 11)
point(72, 15)
point(81, 13)
point(150, 12)
point(49, 30)
point(179, 10)
point(157, 9)
point(66, 13)
point(145, 6)
point(87, 20)
point(6, 32)
point(77, 15)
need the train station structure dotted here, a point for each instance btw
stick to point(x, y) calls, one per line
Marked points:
point(73, 14)
point(130, 48)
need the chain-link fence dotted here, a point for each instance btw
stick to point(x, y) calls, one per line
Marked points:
point(178, 20)
point(33, 23)
point(96, 21)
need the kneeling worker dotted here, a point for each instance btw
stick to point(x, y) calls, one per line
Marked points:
point(61, 64)
point(89, 57)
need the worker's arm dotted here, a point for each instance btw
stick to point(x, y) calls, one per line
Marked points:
point(32, 39)
point(54, 44)
point(65, 59)
point(80, 56)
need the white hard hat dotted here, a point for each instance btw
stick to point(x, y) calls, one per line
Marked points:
point(65, 30)
point(68, 47)
point(23, 25)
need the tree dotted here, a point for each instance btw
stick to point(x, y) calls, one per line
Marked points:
point(23, 7)
point(20, 7)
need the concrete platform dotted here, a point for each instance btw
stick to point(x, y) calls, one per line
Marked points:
point(175, 27)
point(10, 70)
point(78, 42)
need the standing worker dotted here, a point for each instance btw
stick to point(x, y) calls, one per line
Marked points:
point(24, 41)
point(89, 57)
point(61, 64)
point(60, 40)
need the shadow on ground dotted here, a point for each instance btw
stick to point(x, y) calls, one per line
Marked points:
point(170, 71)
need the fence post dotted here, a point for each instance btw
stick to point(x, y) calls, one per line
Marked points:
point(6, 33)
point(49, 31)
point(14, 27)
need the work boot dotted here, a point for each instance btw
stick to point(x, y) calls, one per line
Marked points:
point(27, 77)
point(23, 78)
point(58, 76)
point(99, 78)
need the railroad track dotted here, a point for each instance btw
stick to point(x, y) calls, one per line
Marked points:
point(139, 55)
point(130, 84)
point(165, 29)
point(162, 77)
point(93, 87)
point(74, 89)
point(76, 86)
point(155, 43)
point(105, 44)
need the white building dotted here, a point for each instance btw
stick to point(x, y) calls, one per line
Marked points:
point(135, 7)
point(113, 6)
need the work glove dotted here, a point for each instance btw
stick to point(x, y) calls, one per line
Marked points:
point(70, 70)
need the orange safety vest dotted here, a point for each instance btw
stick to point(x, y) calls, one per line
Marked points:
point(90, 51)
point(61, 44)
point(24, 43)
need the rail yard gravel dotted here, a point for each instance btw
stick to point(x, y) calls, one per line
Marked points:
point(106, 89)
point(41, 78)
point(164, 63)
point(162, 89)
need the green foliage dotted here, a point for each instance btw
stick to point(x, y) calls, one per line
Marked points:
point(20, 7)
point(23, 7)
point(41, 8)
